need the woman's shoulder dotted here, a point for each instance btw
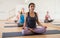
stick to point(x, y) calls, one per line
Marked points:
point(27, 13)
point(36, 13)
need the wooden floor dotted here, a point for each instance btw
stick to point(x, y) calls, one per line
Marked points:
point(18, 29)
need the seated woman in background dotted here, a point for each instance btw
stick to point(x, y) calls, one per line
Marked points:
point(31, 19)
point(48, 18)
point(20, 18)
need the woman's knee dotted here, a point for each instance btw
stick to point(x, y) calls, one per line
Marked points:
point(40, 30)
point(26, 31)
point(43, 29)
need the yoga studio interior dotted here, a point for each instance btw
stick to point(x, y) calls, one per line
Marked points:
point(29, 19)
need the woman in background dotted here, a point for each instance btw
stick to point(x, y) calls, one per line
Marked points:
point(20, 18)
point(47, 18)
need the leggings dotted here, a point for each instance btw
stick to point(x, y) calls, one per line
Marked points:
point(20, 25)
point(48, 21)
point(36, 30)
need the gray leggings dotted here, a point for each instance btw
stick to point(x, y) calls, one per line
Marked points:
point(20, 25)
point(48, 21)
point(37, 30)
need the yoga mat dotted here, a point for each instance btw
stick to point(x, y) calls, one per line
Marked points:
point(9, 23)
point(9, 26)
point(57, 24)
point(12, 26)
point(16, 34)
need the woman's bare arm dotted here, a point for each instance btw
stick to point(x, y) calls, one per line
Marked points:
point(38, 22)
point(25, 16)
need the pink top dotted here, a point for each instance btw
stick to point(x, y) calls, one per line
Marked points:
point(47, 16)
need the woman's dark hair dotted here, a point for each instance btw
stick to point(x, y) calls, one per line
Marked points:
point(31, 4)
point(21, 12)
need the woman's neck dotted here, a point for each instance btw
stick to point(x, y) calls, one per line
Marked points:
point(31, 11)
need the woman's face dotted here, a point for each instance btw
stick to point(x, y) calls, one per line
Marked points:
point(32, 7)
point(22, 10)
point(47, 12)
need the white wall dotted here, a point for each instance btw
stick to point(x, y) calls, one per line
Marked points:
point(57, 9)
point(6, 6)
point(53, 6)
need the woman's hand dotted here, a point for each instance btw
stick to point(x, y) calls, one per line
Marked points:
point(44, 26)
point(31, 30)
point(24, 28)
